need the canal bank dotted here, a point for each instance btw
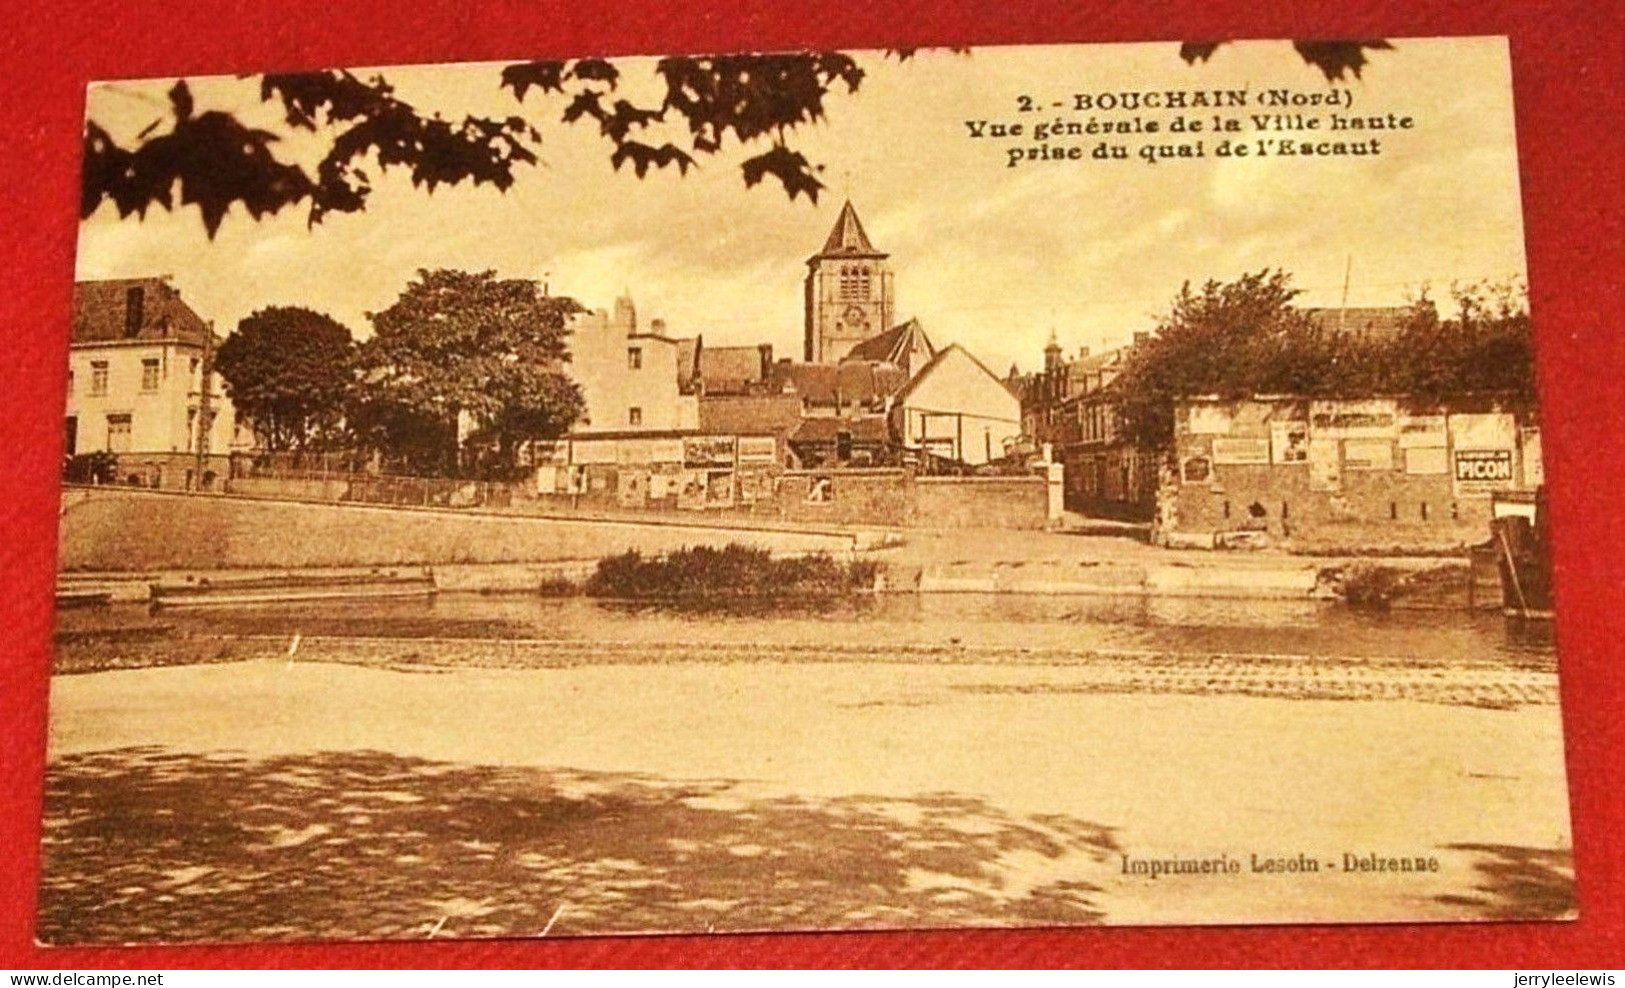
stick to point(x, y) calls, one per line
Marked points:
point(121, 543)
point(1079, 567)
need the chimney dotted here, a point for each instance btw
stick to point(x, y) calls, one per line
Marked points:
point(766, 352)
point(657, 327)
point(626, 314)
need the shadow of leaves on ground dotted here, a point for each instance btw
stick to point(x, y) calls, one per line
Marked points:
point(144, 845)
point(1518, 883)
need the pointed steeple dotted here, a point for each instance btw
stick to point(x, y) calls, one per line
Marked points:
point(848, 291)
point(1052, 352)
point(847, 239)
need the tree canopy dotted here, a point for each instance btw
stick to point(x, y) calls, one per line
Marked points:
point(464, 368)
point(706, 103)
point(1247, 337)
point(1486, 345)
point(289, 370)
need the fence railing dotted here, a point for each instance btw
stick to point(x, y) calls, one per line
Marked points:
point(301, 465)
point(347, 476)
point(437, 492)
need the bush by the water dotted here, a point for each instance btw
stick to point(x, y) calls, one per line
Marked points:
point(1365, 585)
point(732, 571)
point(558, 586)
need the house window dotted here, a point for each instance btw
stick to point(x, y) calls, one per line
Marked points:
point(118, 433)
point(134, 310)
point(149, 374)
point(634, 416)
point(634, 358)
point(98, 377)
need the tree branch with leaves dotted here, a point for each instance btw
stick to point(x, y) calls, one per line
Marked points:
point(704, 106)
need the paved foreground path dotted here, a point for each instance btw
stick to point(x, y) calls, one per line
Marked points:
point(510, 789)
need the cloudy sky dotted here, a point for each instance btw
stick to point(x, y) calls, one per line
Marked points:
point(985, 255)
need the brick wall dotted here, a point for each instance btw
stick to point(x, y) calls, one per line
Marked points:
point(131, 529)
point(896, 498)
point(847, 497)
point(1369, 504)
point(981, 502)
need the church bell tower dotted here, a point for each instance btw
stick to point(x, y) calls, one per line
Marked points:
point(849, 292)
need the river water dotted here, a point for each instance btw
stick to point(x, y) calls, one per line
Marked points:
point(992, 624)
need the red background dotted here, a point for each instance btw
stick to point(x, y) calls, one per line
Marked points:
point(1567, 62)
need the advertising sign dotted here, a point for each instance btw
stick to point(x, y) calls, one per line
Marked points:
point(1424, 460)
point(758, 449)
point(632, 488)
point(649, 451)
point(1421, 431)
point(1210, 420)
point(1482, 454)
point(1479, 471)
point(691, 494)
point(1325, 465)
point(1242, 451)
point(1489, 430)
point(597, 451)
point(708, 451)
point(547, 479)
point(1368, 455)
point(1373, 418)
point(1289, 442)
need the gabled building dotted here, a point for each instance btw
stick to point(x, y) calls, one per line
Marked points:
point(956, 409)
point(852, 398)
point(847, 390)
point(905, 347)
point(1106, 474)
point(137, 389)
point(633, 379)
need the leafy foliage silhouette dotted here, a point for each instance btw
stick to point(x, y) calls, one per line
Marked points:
point(1334, 59)
point(711, 102)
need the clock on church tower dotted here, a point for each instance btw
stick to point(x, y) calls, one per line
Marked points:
point(848, 292)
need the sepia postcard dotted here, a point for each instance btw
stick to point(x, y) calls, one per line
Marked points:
point(984, 487)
